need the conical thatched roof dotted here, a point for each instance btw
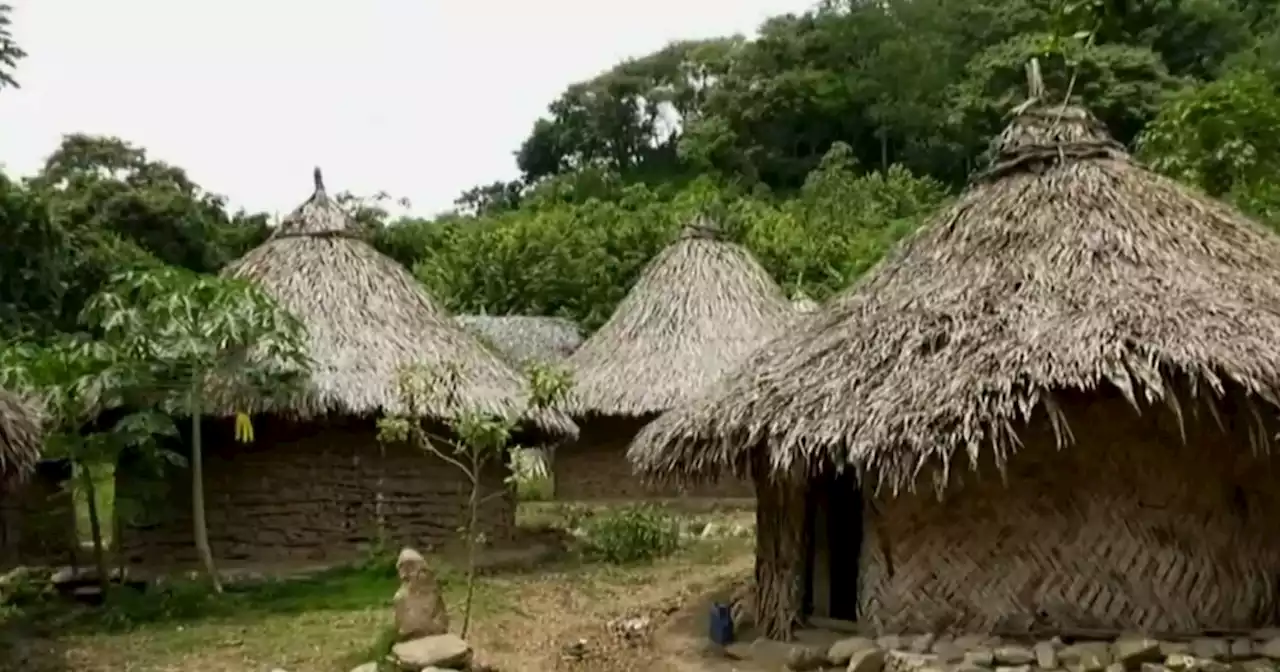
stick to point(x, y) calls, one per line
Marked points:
point(801, 303)
point(699, 308)
point(367, 318)
point(526, 338)
point(1065, 267)
point(20, 438)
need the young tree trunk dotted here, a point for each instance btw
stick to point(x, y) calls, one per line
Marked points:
point(473, 515)
point(197, 495)
point(95, 530)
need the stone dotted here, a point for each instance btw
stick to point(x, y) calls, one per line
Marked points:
point(1013, 655)
point(889, 642)
point(418, 605)
point(804, 658)
point(1115, 667)
point(367, 667)
point(1269, 648)
point(1170, 648)
point(1211, 648)
point(866, 660)
point(840, 652)
point(1013, 668)
point(1131, 651)
point(948, 651)
point(980, 656)
point(1046, 655)
point(921, 643)
point(447, 651)
point(905, 661)
point(1263, 634)
point(968, 642)
point(1152, 667)
point(1086, 656)
point(1241, 649)
point(1182, 662)
point(1255, 665)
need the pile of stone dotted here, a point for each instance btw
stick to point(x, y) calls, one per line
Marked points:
point(424, 643)
point(1259, 652)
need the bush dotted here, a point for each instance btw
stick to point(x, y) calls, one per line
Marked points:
point(632, 534)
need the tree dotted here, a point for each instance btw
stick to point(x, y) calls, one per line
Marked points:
point(474, 442)
point(77, 381)
point(202, 341)
point(10, 52)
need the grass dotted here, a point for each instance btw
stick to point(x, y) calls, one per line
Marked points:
point(337, 619)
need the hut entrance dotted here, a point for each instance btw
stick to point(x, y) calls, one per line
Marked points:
point(834, 520)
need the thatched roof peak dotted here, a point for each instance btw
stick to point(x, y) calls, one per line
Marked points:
point(1058, 273)
point(367, 318)
point(698, 309)
point(701, 227)
point(319, 215)
point(20, 438)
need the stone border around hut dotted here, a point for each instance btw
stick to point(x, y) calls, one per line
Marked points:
point(1258, 652)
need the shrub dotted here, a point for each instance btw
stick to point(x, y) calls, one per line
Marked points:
point(633, 534)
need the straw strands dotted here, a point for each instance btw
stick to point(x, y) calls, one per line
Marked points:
point(526, 338)
point(367, 318)
point(1065, 266)
point(699, 308)
point(20, 437)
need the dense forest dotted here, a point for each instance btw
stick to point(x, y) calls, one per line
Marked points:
point(818, 143)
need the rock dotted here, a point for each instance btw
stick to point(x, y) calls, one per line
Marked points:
point(710, 531)
point(1182, 662)
point(1086, 656)
point(804, 658)
point(1211, 648)
point(948, 651)
point(367, 667)
point(1046, 655)
point(1013, 656)
point(905, 661)
point(866, 660)
point(419, 607)
point(1115, 667)
point(1132, 651)
point(968, 642)
point(1240, 649)
point(1170, 648)
point(889, 642)
point(769, 653)
point(981, 657)
point(1265, 634)
point(1255, 665)
point(1269, 648)
point(1013, 668)
point(921, 643)
point(843, 650)
point(447, 651)
point(1153, 667)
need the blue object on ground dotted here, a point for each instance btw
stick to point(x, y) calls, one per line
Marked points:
point(721, 624)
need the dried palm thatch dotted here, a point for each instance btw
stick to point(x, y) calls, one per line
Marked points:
point(526, 338)
point(20, 438)
point(367, 318)
point(1065, 266)
point(699, 308)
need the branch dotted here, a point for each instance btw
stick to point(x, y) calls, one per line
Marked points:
point(429, 443)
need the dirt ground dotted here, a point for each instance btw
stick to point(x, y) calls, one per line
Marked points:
point(555, 620)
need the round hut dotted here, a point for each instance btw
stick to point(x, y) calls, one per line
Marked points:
point(526, 338)
point(316, 483)
point(698, 309)
point(1047, 410)
point(20, 440)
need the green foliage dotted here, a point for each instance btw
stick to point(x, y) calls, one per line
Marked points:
point(10, 52)
point(637, 533)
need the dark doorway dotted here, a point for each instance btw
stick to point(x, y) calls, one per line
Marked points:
point(834, 519)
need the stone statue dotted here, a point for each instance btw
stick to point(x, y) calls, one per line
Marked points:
point(419, 607)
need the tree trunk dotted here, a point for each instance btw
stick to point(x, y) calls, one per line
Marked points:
point(95, 530)
point(197, 495)
point(473, 515)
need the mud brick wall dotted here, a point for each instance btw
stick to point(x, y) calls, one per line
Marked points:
point(310, 492)
point(595, 467)
point(38, 520)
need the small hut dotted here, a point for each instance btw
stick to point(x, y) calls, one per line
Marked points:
point(37, 520)
point(1047, 410)
point(316, 483)
point(526, 338)
point(699, 308)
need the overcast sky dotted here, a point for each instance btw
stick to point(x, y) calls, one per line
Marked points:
point(421, 98)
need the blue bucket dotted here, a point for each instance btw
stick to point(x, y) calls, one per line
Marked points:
point(721, 624)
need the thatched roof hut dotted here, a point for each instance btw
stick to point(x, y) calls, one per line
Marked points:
point(526, 338)
point(1070, 298)
point(699, 308)
point(367, 317)
point(801, 303)
point(20, 438)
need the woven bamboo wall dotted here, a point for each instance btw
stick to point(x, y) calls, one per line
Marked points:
point(1128, 529)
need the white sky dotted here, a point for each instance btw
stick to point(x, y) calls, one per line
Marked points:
point(421, 98)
